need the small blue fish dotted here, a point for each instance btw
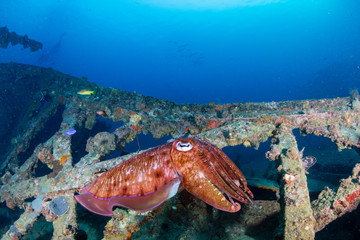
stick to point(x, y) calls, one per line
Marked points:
point(70, 132)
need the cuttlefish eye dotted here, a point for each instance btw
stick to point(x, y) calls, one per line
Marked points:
point(184, 147)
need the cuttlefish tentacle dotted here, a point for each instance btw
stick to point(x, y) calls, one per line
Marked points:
point(194, 181)
point(211, 163)
point(230, 168)
point(225, 172)
point(204, 174)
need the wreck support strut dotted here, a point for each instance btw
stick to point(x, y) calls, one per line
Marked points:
point(297, 220)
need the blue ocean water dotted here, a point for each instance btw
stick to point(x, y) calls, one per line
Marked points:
point(196, 51)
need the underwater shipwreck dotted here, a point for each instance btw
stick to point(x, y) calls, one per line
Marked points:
point(44, 167)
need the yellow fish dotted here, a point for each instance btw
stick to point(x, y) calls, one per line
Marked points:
point(86, 92)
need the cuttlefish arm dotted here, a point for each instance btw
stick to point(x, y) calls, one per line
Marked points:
point(209, 175)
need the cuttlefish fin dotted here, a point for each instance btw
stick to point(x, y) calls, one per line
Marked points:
point(138, 203)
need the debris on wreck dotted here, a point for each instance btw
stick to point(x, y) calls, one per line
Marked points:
point(7, 37)
point(51, 193)
point(59, 206)
point(103, 143)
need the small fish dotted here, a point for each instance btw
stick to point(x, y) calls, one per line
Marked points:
point(70, 132)
point(102, 113)
point(269, 188)
point(308, 162)
point(86, 92)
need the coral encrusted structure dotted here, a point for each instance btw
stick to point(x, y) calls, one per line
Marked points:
point(37, 143)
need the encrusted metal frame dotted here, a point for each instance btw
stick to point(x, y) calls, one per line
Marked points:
point(220, 124)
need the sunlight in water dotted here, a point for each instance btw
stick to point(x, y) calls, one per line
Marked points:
point(206, 4)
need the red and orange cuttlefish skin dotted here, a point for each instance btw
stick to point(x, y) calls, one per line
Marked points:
point(147, 180)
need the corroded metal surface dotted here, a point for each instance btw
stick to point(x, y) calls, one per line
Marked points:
point(220, 124)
